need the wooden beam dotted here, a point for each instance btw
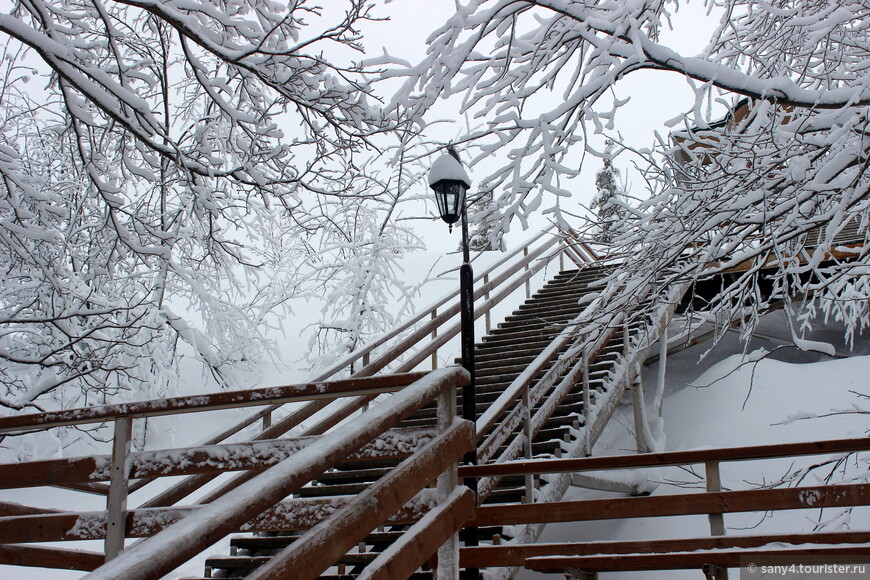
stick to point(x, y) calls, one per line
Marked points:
point(213, 402)
point(323, 545)
point(42, 557)
point(294, 514)
point(675, 505)
point(666, 458)
point(197, 460)
point(689, 560)
point(8, 508)
point(116, 503)
point(515, 554)
point(165, 551)
point(423, 539)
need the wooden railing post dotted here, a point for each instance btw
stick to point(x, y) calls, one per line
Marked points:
point(717, 521)
point(527, 433)
point(448, 481)
point(587, 402)
point(714, 483)
point(116, 504)
point(638, 402)
point(526, 267)
point(486, 297)
point(366, 360)
point(434, 336)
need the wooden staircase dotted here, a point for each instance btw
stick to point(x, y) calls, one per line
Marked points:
point(502, 355)
point(546, 385)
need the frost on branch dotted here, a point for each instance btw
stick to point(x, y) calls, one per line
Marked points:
point(154, 159)
point(356, 265)
point(784, 186)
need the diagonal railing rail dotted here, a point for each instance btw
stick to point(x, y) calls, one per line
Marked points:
point(176, 534)
point(413, 343)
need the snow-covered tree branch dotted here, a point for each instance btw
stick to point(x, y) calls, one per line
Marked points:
point(155, 162)
point(783, 185)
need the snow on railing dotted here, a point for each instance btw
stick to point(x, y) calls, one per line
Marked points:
point(493, 285)
point(179, 533)
point(676, 553)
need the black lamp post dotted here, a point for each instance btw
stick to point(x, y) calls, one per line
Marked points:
point(450, 181)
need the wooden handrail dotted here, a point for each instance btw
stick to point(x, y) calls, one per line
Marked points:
point(698, 560)
point(675, 505)
point(517, 554)
point(44, 557)
point(289, 514)
point(169, 548)
point(212, 402)
point(209, 459)
point(667, 458)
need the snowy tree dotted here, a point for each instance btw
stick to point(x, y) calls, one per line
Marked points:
point(155, 157)
point(778, 188)
point(355, 266)
point(608, 203)
point(482, 213)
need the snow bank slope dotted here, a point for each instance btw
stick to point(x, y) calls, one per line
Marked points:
point(739, 402)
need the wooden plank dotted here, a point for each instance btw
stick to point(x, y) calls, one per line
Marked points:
point(42, 557)
point(689, 560)
point(423, 539)
point(216, 401)
point(322, 546)
point(675, 505)
point(165, 551)
point(667, 458)
point(8, 508)
point(516, 554)
point(397, 443)
point(94, 488)
point(294, 514)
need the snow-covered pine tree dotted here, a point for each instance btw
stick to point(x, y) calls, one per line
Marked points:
point(481, 239)
point(608, 202)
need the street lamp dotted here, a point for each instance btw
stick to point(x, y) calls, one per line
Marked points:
point(450, 181)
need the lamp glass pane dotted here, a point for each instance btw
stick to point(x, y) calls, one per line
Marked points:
point(450, 198)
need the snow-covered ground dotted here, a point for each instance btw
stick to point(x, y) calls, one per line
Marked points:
point(726, 401)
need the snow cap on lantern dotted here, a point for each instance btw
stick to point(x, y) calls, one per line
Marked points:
point(450, 181)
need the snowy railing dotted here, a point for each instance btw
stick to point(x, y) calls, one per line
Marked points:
point(279, 468)
point(403, 350)
point(412, 340)
point(717, 550)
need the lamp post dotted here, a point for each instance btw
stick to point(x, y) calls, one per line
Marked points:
point(450, 181)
